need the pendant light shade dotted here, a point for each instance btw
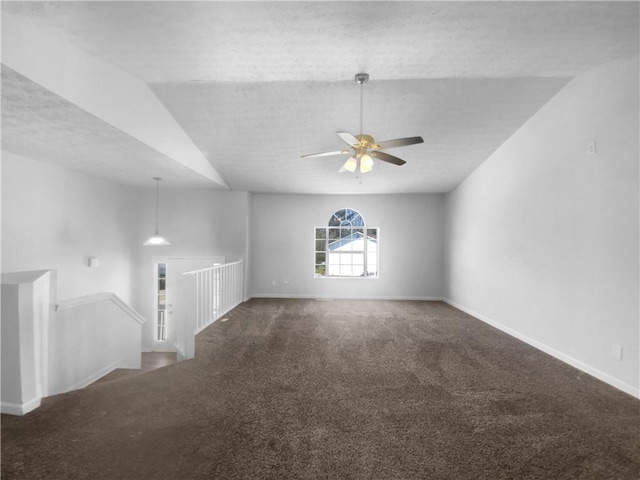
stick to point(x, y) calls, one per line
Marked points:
point(156, 238)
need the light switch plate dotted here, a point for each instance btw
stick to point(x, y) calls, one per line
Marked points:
point(616, 352)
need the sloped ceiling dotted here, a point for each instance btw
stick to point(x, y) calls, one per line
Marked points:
point(256, 85)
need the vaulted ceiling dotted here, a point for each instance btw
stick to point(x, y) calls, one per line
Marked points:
point(231, 94)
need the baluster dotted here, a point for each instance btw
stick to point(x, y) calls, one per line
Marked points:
point(238, 284)
point(212, 300)
point(196, 310)
point(203, 306)
point(223, 292)
point(229, 288)
point(232, 270)
point(235, 286)
point(216, 291)
point(201, 286)
point(221, 289)
point(208, 296)
point(186, 300)
point(200, 299)
point(203, 301)
point(226, 289)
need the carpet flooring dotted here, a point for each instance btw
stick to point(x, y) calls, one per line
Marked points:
point(149, 361)
point(309, 389)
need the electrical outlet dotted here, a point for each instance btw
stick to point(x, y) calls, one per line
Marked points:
point(286, 282)
point(591, 148)
point(616, 352)
point(273, 283)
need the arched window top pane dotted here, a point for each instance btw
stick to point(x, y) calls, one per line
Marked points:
point(346, 218)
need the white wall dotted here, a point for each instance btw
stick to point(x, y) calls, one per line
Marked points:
point(88, 338)
point(197, 223)
point(543, 239)
point(282, 245)
point(26, 302)
point(54, 218)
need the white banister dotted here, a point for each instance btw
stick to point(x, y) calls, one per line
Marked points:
point(89, 337)
point(204, 296)
point(100, 297)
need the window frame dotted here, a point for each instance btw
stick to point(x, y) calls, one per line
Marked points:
point(365, 251)
point(160, 334)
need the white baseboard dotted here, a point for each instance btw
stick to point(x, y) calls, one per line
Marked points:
point(20, 409)
point(94, 376)
point(600, 375)
point(371, 297)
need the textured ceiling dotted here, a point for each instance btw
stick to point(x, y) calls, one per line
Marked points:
point(272, 123)
point(256, 85)
point(331, 41)
point(39, 124)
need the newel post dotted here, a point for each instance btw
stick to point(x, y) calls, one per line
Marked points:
point(185, 317)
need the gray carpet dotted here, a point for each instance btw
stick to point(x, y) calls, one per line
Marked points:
point(339, 390)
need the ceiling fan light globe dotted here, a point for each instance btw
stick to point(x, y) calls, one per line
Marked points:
point(366, 163)
point(350, 165)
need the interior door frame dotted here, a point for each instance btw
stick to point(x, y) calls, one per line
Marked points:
point(168, 344)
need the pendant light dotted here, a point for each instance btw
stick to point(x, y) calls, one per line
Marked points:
point(156, 239)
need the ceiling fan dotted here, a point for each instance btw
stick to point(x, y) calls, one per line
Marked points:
point(364, 148)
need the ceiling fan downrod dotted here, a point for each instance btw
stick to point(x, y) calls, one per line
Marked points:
point(361, 79)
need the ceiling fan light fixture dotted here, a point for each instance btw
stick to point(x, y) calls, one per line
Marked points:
point(350, 165)
point(364, 146)
point(366, 163)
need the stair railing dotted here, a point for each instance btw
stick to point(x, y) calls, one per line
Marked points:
point(204, 296)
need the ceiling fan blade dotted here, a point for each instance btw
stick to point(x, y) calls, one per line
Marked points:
point(399, 142)
point(350, 139)
point(325, 154)
point(385, 157)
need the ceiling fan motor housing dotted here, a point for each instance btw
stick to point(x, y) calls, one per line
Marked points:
point(366, 142)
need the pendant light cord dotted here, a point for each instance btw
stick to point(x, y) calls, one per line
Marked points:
point(157, 200)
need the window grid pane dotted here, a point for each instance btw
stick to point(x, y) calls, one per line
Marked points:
point(346, 248)
point(161, 303)
point(162, 331)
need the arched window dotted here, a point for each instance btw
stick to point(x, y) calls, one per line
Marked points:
point(346, 247)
